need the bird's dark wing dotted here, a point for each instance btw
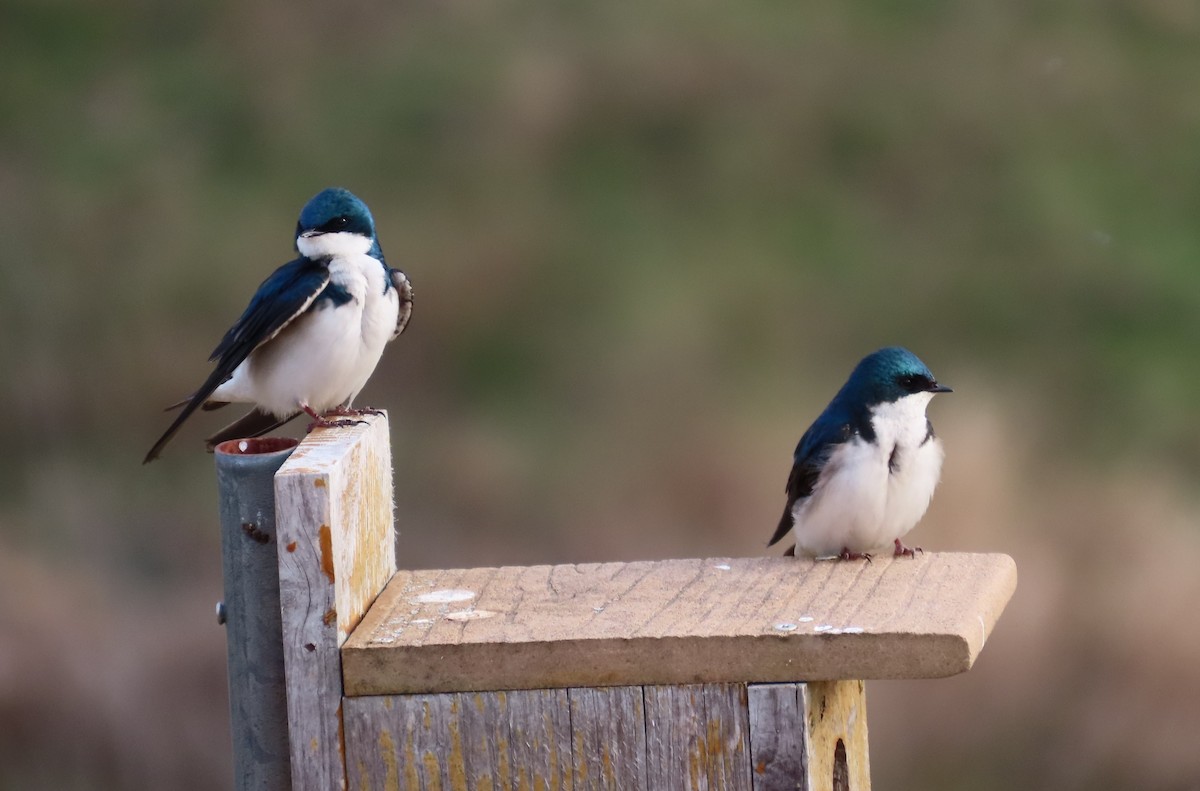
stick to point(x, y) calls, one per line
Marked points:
point(811, 454)
point(283, 296)
point(404, 289)
point(254, 423)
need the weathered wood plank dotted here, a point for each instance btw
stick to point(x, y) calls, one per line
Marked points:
point(778, 738)
point(531, 742)
point(336, 552)
point(677, 622)
point(674, 729)
point(697, 737)
point(460, 741)
point(608, 728)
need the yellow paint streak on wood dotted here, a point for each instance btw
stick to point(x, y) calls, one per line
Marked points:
point(411, 778)
point(433, 771)
point(387, 751)
point(579, 761)
point(606, 764)
point(555, 758)
point(503, 770)
point(457, 766)
point(325, 537)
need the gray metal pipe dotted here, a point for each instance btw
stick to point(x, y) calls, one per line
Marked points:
point(250, 563)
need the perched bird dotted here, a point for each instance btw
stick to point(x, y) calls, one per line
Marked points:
point(865, 470)
point(312, 333)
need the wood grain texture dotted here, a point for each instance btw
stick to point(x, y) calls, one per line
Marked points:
point(837, 715)
point(336, 552)
point(460, 741)
point(734, 737)
point(608, 728)
point(798, 732)
point(778, 737)
point(677, 622)
point(697, 737)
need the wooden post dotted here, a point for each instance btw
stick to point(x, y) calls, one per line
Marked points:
point(336, 552)
point(257, 701)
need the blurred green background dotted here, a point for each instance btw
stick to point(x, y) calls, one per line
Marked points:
point(648, 243)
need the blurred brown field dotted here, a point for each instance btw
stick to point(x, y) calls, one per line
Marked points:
point(648, 243)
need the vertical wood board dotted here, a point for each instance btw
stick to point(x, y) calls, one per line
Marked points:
point(778, 737)
point(336, 552)
point(608, 730)
point(697, 737)
point(837, 713)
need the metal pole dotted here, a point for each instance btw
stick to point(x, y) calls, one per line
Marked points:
point(257, 692)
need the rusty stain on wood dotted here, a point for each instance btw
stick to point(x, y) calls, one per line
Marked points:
point(326, 538)
point(258, 536)
point(291, 546)
point(330, 617)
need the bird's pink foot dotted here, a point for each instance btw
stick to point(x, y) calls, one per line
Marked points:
point(902, 551)
point(320, 421)
point(846, 554)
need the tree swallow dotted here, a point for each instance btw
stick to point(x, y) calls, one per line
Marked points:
point(313, 332)
point(865, 470)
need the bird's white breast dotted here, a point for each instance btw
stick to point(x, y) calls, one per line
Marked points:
point(871, 493)
point(325, 356)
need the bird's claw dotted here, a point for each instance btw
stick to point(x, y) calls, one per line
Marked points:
point(846, 554)
point(343, 411)
point(904, 551)
point(323, 422)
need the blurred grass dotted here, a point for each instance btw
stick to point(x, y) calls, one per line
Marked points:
point(647, 241)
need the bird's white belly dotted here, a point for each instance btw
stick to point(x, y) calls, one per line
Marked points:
point(911, 488)
point(312, 362)
point(846, 508)
point(865, 498)
point(324, 357)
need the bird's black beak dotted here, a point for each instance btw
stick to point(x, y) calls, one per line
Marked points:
point(937, 388)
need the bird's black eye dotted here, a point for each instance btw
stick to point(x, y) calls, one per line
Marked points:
point(914, 383)
point(336, 224)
